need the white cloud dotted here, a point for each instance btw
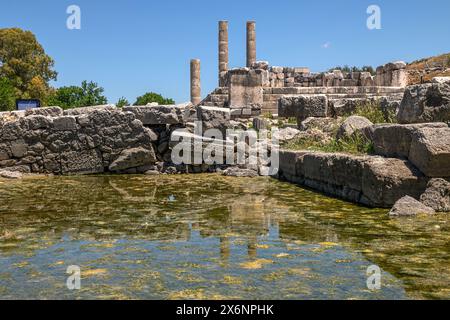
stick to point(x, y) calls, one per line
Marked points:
point(326, 45)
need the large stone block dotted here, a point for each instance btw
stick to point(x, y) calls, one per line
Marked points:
point(161, 114)
point(408, 206)
point(339, 170)
point(214, 118)
point(81, 162)
point(430, 151)
point(85, 110)
point(437, 195)
point(246, 87)
point(133, 158)
point(394, 140)
point(353, 125)
point(289, 162)
point(385, 180)
point(428, 102)
point(48, 112)
point(303, 106)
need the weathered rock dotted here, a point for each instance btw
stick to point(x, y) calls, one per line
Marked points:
point(81, 144)
point(81, 162)
point(408, 206)
point(389, 106)
point(303, 107)
point(47, 112)
point(11, 174)
point(19, 148)
point(437, 195)
point(238, 172)
point(370, 180)
point(10, 116)
point(430, 151)
point(152, 173)
point(385, 180)
point(85, 110)
point(353, 125)
point(428, 102)
point(161, 114)
point(343, 107)
point(132, 158)
point(260, 123)
point(65, 123)
point(326, 125)
point(441, 80)
point(286, 134)
point(260, 65)
point(394, 140)
point(214, 118)
point(246, 87)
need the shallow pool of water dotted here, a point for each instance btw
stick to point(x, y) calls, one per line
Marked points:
point(209, 237)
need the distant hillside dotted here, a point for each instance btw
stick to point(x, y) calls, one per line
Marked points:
point(426, 69)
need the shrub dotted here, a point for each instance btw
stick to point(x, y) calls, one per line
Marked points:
point(122, 102)
point(7, 95)
point(372, 110)
point(150, 97)
point(89, 94)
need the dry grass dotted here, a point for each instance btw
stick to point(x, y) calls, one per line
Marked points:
point(419, 68)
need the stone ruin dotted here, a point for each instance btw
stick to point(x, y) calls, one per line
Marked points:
point(410, 158)
point(258, 88)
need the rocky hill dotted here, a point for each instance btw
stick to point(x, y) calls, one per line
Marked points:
point(426, 69)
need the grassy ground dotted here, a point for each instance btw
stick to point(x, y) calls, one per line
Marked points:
point(356, 144)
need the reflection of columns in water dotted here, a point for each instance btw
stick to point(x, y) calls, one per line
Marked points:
point(224, 249)
point(251, 246)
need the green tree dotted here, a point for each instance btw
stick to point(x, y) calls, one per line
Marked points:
point(89, 94)
point(150, 97)
point(349, 69)
point(25, 64)
point(122, 102)
point(7, 95)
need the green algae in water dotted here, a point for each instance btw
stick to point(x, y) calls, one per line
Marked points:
point(209, 237)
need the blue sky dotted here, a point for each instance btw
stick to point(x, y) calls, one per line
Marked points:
point(134, 46)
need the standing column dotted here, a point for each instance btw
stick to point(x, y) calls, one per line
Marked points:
point(196, 97)
point(251, 43)
point(223, 50)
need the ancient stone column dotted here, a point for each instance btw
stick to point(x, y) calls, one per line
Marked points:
point(223, 50)
point(251, 43)
point(196, 97)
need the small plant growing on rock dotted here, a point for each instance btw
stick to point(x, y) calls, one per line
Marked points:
point(312, 141)
point(372, 111)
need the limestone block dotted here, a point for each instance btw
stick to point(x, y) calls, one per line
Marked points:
point(132, 158)
point(394, 140)
point(81, 162)
point(161, 114)
point(428, 102)
point(302, 107)
point(437, 195)
point(408, 206)
point(85, 110)
point(246, 87)
point(430, 151)
point(65, 123)
point(385, 180)
point(355, 124)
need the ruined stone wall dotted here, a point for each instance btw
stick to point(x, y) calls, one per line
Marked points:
point(88, 140)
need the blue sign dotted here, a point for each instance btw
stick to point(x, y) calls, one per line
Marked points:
point(24, 104)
